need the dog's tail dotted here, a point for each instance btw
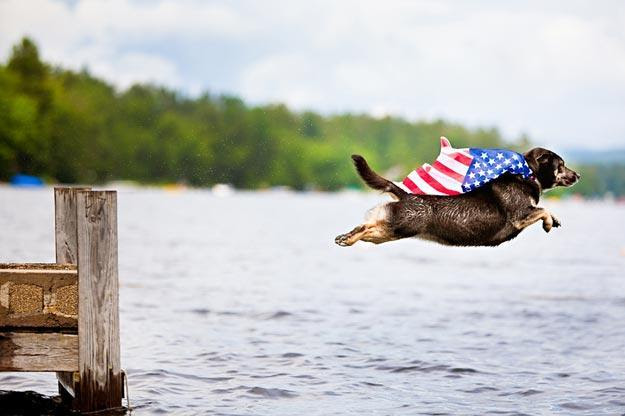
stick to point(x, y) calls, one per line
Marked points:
point(374, 180)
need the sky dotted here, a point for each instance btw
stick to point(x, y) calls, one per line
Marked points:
point(554, 70)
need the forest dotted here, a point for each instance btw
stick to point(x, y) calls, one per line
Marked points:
point(71, 127)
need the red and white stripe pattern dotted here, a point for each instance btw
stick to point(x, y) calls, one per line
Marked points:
point(444, 177)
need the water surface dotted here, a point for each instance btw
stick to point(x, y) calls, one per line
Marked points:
point(243, 305)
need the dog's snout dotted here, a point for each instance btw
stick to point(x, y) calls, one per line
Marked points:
point(568, 178)
point(571, 175)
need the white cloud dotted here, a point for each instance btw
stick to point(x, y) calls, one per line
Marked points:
point(97, 34)
point(130, 67)
point(555, 70)
point(553, 74)
point(292, 70)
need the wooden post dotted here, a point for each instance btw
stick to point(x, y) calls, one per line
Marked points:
point(100, 384)
point(65, 224)
point(66, 247)
point(86, 234)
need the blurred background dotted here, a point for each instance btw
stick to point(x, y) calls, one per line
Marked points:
point(274, 93)
point(226, 128)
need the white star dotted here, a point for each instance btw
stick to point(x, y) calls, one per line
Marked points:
point(466, 186)
point(506, 162)
point(472, 175)
point(498, 166)
point(519, 165)
point(491, 162)
point(499, 156)
point(515, 157)
point(478, 164)
point(484, 155)
point(489, 171)
point(476, 183)
point(482, 173)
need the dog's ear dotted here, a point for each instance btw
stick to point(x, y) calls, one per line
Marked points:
point(535, 157)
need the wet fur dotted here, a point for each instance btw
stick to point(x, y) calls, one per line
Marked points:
point(490, 215)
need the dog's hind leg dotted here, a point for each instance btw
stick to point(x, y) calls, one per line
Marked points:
point(375, 229)
point(351, 237)
point(376, 233)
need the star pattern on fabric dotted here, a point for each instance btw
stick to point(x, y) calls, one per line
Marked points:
point(489, 164)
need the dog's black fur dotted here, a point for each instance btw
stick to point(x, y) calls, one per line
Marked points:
point(488, 216)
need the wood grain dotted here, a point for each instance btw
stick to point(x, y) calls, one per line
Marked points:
point(65, 224)
point(30, 266)
point(46, 275)
point(66, 246)
point(100, 384)
point(32, 351)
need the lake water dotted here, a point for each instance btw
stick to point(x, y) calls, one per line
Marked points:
point(243, 305)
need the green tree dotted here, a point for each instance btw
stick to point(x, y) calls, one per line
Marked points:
point(73, 127)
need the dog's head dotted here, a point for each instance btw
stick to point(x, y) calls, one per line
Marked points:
point(549, 168)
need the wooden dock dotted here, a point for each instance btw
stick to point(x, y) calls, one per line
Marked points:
point(64, 317)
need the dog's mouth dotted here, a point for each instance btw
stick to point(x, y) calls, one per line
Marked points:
point(569, 180)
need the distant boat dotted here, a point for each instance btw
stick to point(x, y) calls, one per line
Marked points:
point(22, 180)
point(222, 189)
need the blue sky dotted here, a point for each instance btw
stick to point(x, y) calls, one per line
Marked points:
point(554, 70)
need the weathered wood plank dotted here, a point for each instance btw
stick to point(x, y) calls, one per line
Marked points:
point(38, 295)
point(66, 246)
point(100, 384)
point(47, 274)
point(65, 237)
point(45, 266)
point(32, 351)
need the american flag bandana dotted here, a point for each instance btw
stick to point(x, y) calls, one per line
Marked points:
point(458, 171)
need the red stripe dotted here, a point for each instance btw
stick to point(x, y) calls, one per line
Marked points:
point(448, 172)
point(434, 183)
point(459, 157)
point(412, 186)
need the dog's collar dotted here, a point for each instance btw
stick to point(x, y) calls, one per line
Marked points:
point(533, 179)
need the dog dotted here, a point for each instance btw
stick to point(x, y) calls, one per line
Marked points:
point(487, 216)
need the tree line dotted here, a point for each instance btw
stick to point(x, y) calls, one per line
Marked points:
point(71, 127)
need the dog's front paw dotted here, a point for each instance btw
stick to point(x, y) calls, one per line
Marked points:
point(556, 222)
point(547, 225)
